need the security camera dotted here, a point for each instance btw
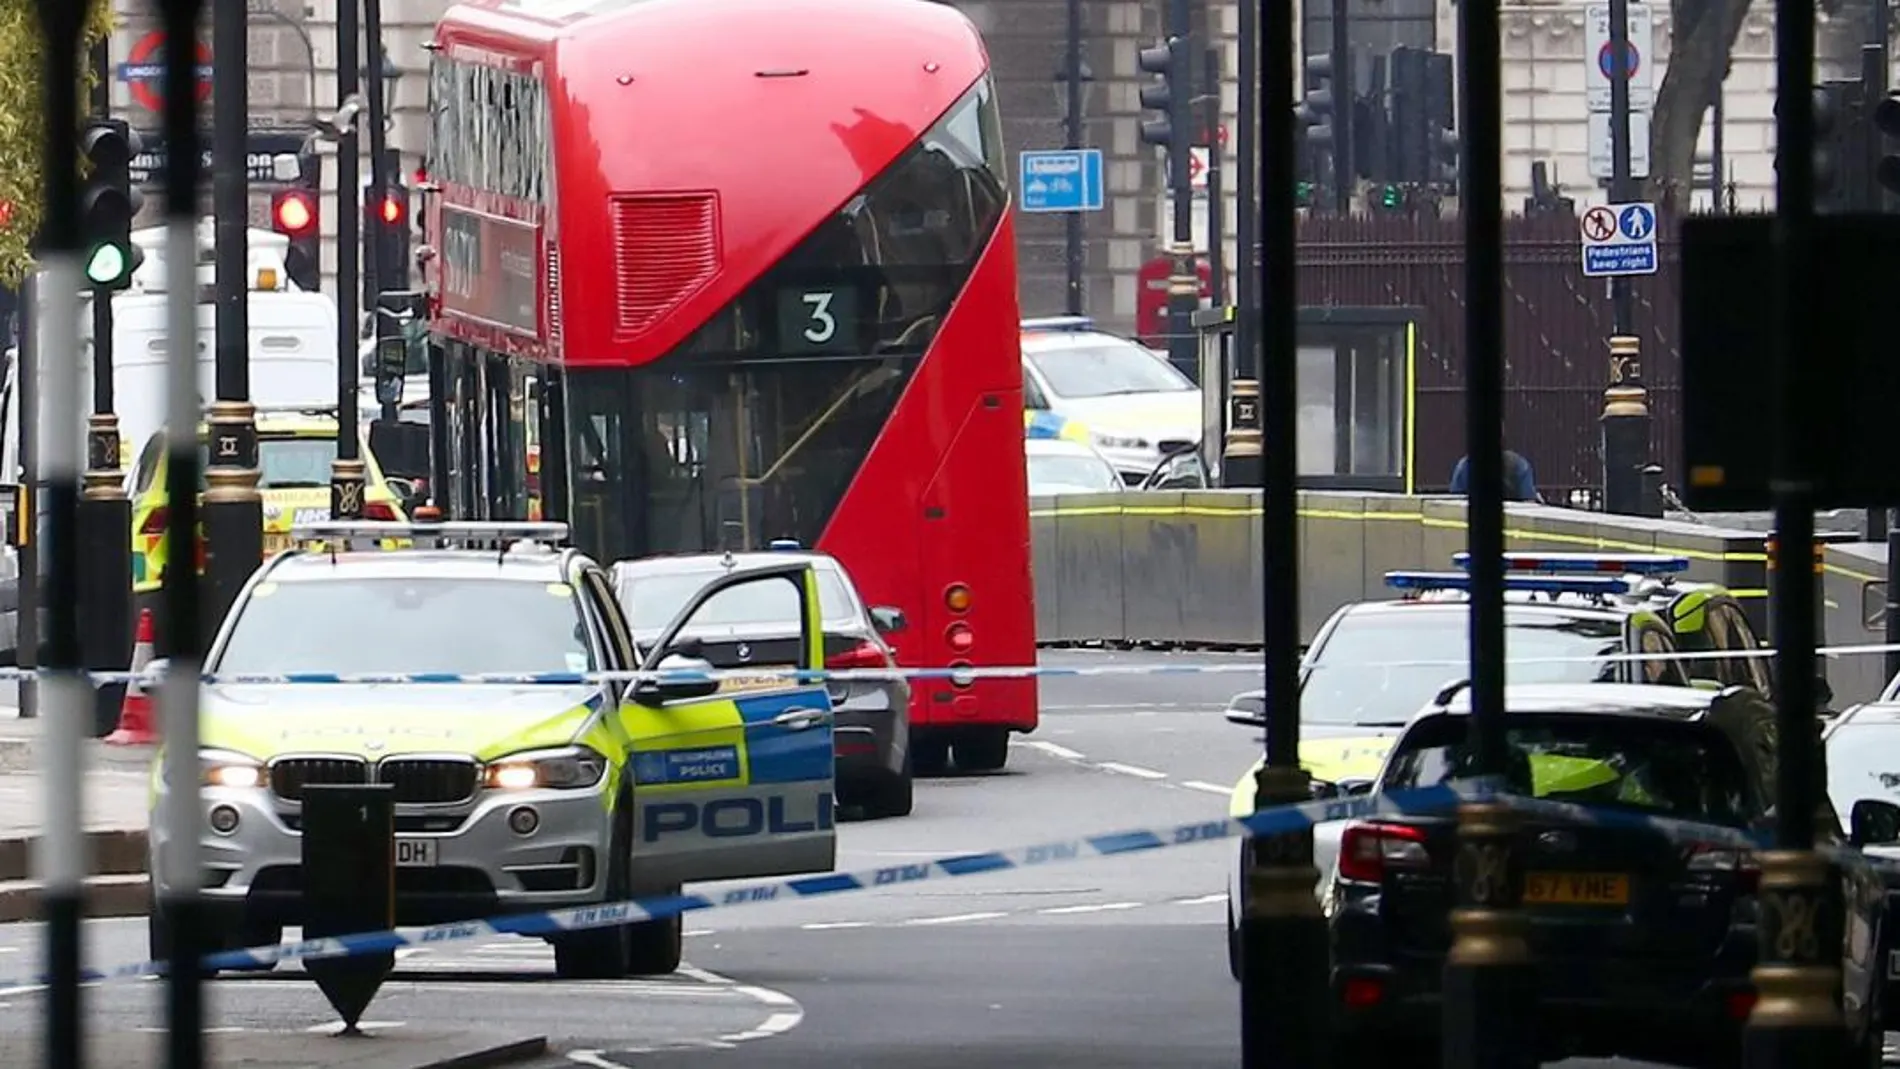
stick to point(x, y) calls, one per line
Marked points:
point(343, 122)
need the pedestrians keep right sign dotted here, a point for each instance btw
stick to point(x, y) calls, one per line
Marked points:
point(1619, 239)
point(1064, 180)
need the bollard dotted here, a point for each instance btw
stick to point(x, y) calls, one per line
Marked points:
point(1490, 980)
point(349, 885)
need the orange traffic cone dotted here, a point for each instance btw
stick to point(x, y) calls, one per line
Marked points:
point(135, 713)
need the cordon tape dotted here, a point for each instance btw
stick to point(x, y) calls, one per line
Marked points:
point(1276, 820)
point(959, 674)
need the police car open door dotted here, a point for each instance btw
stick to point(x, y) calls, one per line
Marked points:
point(733, 778)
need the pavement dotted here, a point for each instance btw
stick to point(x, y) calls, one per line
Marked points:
point(1100, 963)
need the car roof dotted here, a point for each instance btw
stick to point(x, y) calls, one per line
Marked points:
point(1057, 447)
point(314, 565)
point(1872, 714)
point(1045, 340)
point(1513, 607)
point(1612, 699)
point(687, 563)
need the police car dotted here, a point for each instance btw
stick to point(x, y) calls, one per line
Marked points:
point(1566, 615)
point(508, 798)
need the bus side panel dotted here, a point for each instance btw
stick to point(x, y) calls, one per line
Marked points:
point(943, 499)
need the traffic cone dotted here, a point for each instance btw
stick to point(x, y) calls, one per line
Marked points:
point(135, 713)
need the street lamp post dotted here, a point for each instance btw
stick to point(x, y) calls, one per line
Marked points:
point(347, 472)
point(379, 273)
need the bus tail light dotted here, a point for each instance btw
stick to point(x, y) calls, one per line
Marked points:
point(866, 654)
point(956, 598)
point(960, 637)
point(1368, 849)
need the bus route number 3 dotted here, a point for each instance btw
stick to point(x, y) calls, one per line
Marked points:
point(817, 320)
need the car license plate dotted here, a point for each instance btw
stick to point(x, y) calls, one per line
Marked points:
point(415, 853)
point(1576, 888)
point(276, 542)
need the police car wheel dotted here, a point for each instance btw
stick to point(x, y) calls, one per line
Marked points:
point(602, 953)
point(655, 948)
point(893, 796)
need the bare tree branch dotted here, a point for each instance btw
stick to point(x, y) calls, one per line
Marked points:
point(1704, 36)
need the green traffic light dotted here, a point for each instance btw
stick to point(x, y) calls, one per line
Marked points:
point(1303, 192)
point(107, 265)
point(1391, 197)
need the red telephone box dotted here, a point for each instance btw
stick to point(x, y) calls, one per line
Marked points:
point(1151, 297)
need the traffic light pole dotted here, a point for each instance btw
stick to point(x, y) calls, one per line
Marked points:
point(1240, 455)
point(1625, 417)
point(1184, 281)
point(1344, 180)
point(381, 240)
point(348, 472)
point(1074, 256)
point(1285, 1015)
point(105, 515)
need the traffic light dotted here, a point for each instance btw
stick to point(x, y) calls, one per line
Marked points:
point(1887, 121)
point(1164, 97)
point(386, 238)
point(1835, 105)
point(1315, 110)
point(107, 202)
point(293, 213)
point(1441, 118)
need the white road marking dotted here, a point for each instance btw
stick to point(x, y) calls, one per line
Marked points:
point(1211, 788)
point(1054, 750)
point(771, 1026)
point(1132, 770)
point(957, 918)
point(9, 950)
point(1101, 907)
point(697, 932)
point(828, 926)
point(704, 976)
point(1204, 900)
point(786, 1015)
point(336, 1027)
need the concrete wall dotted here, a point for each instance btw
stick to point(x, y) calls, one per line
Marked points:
point(1186, 568)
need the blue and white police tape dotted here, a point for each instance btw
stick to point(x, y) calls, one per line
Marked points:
point(959, 674)
point(1272, 821)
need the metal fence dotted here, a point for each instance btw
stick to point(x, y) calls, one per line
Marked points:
point(1557, 326)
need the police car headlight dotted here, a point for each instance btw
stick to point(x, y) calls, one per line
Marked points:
point(574, 766)
point(1109, 440)
point(224, 768)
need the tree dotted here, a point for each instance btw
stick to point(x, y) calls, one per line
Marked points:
point(22, 75)
point(1702, 38)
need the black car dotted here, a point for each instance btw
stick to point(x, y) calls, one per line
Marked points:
point(1644, 944)
point(757, 627)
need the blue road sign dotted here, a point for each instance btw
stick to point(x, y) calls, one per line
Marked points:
point(1062, 180)
point(1619, 239)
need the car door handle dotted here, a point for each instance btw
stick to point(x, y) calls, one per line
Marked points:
point(799, 719)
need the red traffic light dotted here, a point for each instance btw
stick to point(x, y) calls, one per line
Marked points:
point(294, 212)
point(391, 209)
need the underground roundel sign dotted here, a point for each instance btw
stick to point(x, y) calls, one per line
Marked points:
point(144, 71)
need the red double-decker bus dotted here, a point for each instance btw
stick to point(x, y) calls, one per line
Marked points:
point(746, 270)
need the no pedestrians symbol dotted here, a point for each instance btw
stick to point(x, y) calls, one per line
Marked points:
point(1599, 224)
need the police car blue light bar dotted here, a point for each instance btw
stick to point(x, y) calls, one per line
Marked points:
point(424, 532)
point(1647, 564)
point(790, 544)
point(1059, 323)
point(1537, 584)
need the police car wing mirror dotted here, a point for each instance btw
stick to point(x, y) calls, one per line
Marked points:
point(684, 687)
point(1874, 823)
point(887, 620)
point(1248, 710)
point(404, 489)
point(1355, 786)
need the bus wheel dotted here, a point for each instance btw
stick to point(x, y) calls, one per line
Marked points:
point(983, 750)
point(929, 755)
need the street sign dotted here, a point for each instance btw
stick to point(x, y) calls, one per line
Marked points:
point(1600, 61)
point(1600, 147)
point(1197, 167)
point(1061, 180)
point(1619, 239)
point(144, 71)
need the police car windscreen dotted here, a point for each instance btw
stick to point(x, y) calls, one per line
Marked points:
point(1686, 771)
point(653, 601)
point(1367, 670)
point(1108, 369)
point(389, 625)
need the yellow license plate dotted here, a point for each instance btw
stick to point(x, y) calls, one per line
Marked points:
point(275, 542)
point(1576, 889)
